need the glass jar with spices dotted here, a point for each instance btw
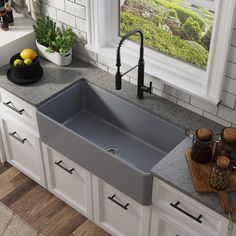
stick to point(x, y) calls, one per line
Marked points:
point(226, 145)
point(202, 145)
point(220, 174)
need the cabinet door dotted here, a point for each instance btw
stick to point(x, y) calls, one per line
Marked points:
point(12, 106)
point(68, 181)
point(186, 210)
point(23, 150)
point(2, 151)
point(117, 213)
point(164, 225)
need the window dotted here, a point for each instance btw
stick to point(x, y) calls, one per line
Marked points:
point(176, 28)
point(186, 40)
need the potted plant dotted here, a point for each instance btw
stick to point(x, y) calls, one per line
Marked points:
point(53, 43)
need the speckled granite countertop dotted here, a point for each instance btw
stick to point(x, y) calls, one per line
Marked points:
point(173, 168)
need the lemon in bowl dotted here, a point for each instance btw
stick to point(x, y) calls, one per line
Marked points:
point(28, 53)
point(24, 67)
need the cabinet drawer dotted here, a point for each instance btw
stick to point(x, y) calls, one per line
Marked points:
point(118, 213)
point(68, 181)
point(173, 202)
point(164, 225)
point(23, 150)
point(18, 109)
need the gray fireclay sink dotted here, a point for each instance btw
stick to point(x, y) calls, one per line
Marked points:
point(111, 138)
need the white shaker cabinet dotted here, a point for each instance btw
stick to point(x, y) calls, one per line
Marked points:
point(20, 138)
point(117, 213)
point(23, 150)
point(2, 151)
point(174, 213)
point(68, 181)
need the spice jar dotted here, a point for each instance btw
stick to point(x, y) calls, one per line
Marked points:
point(202, 145)
point(220, 175)
point(9, 12)
point(226, 144)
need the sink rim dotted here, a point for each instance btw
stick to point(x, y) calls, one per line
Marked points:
point(97, 146)
point(140, 109)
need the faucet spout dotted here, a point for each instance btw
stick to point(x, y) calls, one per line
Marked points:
point(141, 87)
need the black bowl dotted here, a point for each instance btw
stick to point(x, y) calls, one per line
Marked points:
point(24, 72)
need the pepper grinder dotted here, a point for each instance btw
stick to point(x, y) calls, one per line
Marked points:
point(3, 16)
point(9, 12)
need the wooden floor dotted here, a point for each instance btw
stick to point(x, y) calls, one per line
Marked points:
point(40, 208)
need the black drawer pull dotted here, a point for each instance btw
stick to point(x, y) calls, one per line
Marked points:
point(118, 203)
point(64, 168)
point(198, 219)
point(15, 136)
point(7, 104)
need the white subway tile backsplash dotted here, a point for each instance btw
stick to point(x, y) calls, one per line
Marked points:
point(66, 18)
point(59, 4)
point(97, 64)
point(177, 93)
point(80, 47)
point(81, 24)
point(216, 119)
point(164, 95)
point(82, 2)
point(80, 36)
point(228, 99)
point(227, 113)
point(75, 9)
point(233, 40)
point(204, 105)
point(157, 84)
point(231, 70)
point(190, 107)
point(232, 54)
point(49, 11)
point(230, 85)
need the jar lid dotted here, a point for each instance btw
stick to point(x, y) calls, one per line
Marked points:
point(223, 162)
point(229, 135)
point(204, 134)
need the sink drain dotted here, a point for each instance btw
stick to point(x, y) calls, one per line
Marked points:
point(113, 150)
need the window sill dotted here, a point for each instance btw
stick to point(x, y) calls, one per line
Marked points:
point(107, 56)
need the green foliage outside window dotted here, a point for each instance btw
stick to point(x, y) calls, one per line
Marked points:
point(192, 30)
point(171, 27)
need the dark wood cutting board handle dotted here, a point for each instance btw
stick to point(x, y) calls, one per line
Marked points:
point(225, 201)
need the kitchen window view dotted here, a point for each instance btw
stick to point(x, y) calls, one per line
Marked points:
point(173, 27)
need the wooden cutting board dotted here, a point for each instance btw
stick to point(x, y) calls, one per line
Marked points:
point(201, 174)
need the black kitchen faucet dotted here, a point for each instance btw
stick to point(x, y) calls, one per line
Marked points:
point(141, 87)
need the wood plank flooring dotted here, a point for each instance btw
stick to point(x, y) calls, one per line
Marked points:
point(44, 211)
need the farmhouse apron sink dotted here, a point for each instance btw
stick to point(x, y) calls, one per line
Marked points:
point(111, 138)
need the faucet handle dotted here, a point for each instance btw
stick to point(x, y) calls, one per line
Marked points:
point(150, 88)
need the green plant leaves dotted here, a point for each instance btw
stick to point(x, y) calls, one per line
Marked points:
point(52, 37)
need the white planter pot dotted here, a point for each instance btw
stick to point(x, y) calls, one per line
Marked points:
point(61, 59)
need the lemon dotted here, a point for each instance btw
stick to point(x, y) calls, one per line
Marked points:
point(18, 63)
point(28, 61)
point(28, 53)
